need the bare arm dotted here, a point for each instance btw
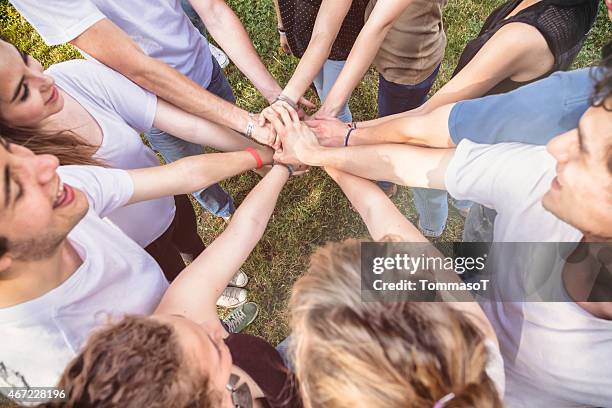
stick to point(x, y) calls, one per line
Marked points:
point(191, 174)
point(517, 51)
point(279, 20)
point(194, 129)
point(108, 44)
point(194, 292)
point(426, 129)
point(402, 164)
point(329, 20)
point(364, 50)
point(227, 30)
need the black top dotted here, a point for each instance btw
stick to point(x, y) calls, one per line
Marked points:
point(264, 364)
point(563, 23)
point(299, 16)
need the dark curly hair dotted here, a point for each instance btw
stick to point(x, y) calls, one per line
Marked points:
point(134, 363)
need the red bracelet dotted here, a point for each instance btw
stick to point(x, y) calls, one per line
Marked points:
point(256, 156)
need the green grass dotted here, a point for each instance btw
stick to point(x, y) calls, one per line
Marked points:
point(311, 210)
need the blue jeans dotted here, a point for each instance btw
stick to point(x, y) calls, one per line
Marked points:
point(432, 205)
point(324, 81)
point(193, 16)
point(214, 198)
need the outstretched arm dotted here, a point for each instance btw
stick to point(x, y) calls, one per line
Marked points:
point(426, 129)
point(192, 173)
point(194, 292)
point(402, 164)
point(362, 54)
point(195, 129)
point(502, 57)
point(326, 28)
point(111, 46)
point(228, 31)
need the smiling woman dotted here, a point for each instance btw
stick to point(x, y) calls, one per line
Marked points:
point(27, 97)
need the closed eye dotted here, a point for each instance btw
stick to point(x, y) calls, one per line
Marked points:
point(26, 93)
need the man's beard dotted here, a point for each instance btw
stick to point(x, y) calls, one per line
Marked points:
point(36, 249)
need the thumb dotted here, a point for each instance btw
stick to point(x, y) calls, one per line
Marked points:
point(305, 102)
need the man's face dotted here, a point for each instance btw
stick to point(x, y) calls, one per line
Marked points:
point(37, 211)
point(609, 5)
point(581, 194)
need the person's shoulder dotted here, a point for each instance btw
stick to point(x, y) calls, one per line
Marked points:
point(79, 72)
point(521, 35)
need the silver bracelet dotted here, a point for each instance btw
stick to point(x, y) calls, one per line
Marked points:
point(250, 127)
point(288, 101)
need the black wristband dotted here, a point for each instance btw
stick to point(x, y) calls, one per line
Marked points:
point(348, 135)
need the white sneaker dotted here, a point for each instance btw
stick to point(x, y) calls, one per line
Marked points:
point(219, 55)
point(232, 297)
point(239, 280)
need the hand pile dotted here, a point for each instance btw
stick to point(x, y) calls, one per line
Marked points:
point(295, 141)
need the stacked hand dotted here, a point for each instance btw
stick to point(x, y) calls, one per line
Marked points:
point(330, 131)
point(295, 140)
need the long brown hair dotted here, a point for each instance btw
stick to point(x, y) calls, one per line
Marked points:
point(136, 362)
point(352, 354)
point(66, 145)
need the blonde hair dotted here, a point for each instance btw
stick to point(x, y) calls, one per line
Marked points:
point(350, 353)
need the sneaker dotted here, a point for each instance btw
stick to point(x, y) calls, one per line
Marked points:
point(219, 55)
point(239, 280)
point(232, 297)
point(241, 317)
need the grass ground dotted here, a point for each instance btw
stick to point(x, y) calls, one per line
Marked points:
point(311, 210)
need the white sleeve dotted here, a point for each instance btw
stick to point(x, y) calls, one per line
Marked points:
point(135, 105)
point(497, 176)
point(106, 189)
point(59, 21)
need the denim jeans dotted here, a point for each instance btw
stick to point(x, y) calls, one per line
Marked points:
point(193, 16)
point(432, 205)
point(214, 198)
point(324, 81)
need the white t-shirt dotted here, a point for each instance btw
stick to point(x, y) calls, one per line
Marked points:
point(122, 109)
point(159, 27)
point(117, 277)
point(555, 353)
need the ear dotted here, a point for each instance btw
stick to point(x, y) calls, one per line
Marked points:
point(5, 262)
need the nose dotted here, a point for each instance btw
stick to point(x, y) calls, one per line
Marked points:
point(46, 166)
point(45, 82)
point(560, 146)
